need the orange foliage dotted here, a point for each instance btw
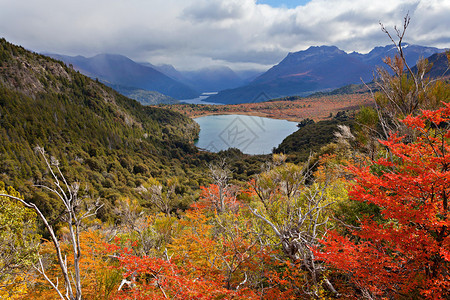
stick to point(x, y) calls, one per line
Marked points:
point(193, 267)
point(408, 252)
point(99, 280)
point(210, 198)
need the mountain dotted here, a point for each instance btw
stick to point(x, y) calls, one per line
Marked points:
point(109, 143)
point(170, 71)
point(249, 75)
point(439, 65)
point(209, 79)
point(121, 71)
point(213, 79)
point(412, 54)
point(143, 96)
point(316, 69)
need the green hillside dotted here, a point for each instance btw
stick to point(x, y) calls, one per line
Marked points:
point(102, 139)
point(311, 137)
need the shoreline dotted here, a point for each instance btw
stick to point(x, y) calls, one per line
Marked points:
point(317, 109)
point(246, 113)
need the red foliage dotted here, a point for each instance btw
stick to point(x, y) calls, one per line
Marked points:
point(210, 199)
point(155, 278)
point(409, 251)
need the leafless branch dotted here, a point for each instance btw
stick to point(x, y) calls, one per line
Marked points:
point(68, 195)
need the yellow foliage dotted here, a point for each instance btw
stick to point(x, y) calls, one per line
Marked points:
point(13, 289)
point(18, 244)
point(99, 281)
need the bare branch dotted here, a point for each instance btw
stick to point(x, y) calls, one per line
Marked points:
point(41, 271)
point(69, 198)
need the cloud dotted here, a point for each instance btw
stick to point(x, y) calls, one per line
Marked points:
point(215, 11)
point(238, 33)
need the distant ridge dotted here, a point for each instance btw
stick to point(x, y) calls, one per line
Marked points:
point(213, 79)
point(121, 71)
point(317, 69)
point(208, 79)
point(440, 66)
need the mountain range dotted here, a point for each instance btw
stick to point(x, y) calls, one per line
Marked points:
point(153, 84)
point(317, 69)
point(123, 73)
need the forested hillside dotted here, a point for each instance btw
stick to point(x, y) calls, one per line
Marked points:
point(101, 138)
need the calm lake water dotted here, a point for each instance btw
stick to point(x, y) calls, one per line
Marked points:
point(250, 134)
point(201, 100)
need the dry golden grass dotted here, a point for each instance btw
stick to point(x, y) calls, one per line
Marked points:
point(316, 108)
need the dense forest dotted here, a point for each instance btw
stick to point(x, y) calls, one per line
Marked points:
point(103, 198)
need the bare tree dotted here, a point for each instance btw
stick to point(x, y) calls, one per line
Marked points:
point(73, 217)
point(297, 215)
point(406, 91)
point(164, 200)
point(220, 174)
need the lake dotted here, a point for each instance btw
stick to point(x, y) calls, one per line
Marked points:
point(250, 134)
point(201, 99)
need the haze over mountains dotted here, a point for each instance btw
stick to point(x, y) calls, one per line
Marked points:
point(209, 79)
point(120, 71)
point(301, 73)
point(316, 69)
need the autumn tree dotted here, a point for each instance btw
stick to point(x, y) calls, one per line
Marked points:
point(297, 214)
point(407, 252)
point(99, 279)
point(402, 91)
point(18, 244)
point(155, 278)
point(75, 211)
point(200, 263)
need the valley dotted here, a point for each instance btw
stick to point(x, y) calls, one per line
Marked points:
point(290, 108)
point(281, 193)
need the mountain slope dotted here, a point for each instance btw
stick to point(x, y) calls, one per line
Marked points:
point(315, 69)
point(209, 79)
point(143, 96)
point(439, 65)
point(168, 70)
point(213, 79)
point(329, 65)
point(120, 70)
point(412, 54)
point(107, 142)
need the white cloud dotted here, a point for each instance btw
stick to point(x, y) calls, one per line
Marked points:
point(238, 33)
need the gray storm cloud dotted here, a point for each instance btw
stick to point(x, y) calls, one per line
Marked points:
point(193, 34)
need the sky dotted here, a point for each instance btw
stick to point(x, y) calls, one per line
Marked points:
point(286, 3)
point(241, 34)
